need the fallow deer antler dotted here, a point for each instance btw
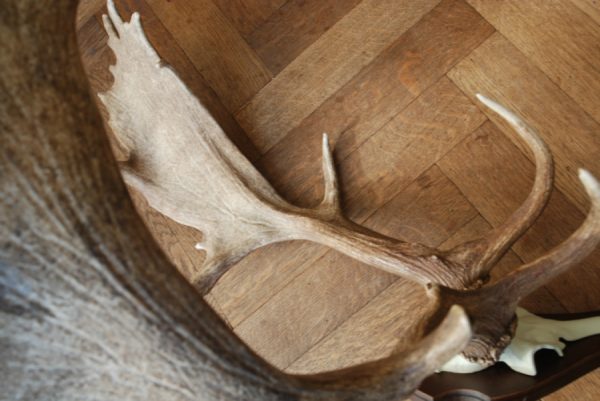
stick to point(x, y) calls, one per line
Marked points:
point(187, 168)
point(89, 306)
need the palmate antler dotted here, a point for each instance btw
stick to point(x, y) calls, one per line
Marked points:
point(187, 168)
point(90, 308)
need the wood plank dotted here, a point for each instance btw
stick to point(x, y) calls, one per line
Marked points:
point(378, 328)
point(335, 286)
point(584, 389)
point(413, 63)
point(395, 155)
point(496, 178)
point(215, 48)
point(293, 27)
point(415, 140)
point(559, 38)
point(590, 7)
point(498, 70)
point(86, 9)
point(247, 15)
point(326, 66)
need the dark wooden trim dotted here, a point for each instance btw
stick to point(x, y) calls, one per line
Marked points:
point(499, 383)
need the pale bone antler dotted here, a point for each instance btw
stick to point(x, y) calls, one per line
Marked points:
point(89, 305)
point(188, 169)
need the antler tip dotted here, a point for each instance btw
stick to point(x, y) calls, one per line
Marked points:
point(591, 184)
point(502, 111)
point(457, 317)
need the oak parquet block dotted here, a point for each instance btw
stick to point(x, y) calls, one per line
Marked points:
point(260, 275)
point(496, 177)
point(86, 9)
point(420, 133)
point(215, 48)
point(584, 389)
point(325, 66)
point(558, 38)
point(247, 15)
point(590, 7)
point(293, 27)
point(409, 143)
point(372, 332)
point(414, 62)
point(498, 70)
point(335, 286)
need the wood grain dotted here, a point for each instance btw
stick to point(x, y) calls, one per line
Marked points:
point(584, 389)
point(496, 177)
point(408, 144)
point(248, 15)
point(325, 66)
point(590, 7)
point(85, 10)
point(215, 48)
point(498, 70)
point(293, 27)
point(558, 38)
point(410, 65)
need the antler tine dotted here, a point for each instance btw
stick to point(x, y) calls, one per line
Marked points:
point(331, 196)
point(452, 335)
point(482, 254)
point(580, 244)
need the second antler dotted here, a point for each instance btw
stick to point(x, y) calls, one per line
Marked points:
point(188, 169)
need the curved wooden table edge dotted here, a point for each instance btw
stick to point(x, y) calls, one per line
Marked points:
point(499, 383)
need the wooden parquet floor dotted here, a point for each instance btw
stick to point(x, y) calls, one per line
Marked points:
point(392, 82)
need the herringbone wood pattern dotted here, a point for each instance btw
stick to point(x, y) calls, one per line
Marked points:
point(393, 83)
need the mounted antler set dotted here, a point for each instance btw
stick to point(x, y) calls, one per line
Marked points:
point(90, 305)
point(188, 169)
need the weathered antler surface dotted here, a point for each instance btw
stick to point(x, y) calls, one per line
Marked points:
point(90, 308)
point(188, 169)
